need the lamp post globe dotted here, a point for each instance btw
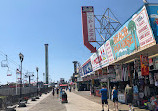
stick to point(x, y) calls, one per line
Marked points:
point(37, 69)
point(21, 56)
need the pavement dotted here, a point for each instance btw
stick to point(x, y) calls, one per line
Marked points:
point(122, 107)
point(77, 101)
point(46, 103)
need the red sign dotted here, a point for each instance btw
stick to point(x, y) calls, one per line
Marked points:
point(88, 28)
point(144, 65)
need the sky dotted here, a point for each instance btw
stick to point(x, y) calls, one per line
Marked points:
point(26, 25)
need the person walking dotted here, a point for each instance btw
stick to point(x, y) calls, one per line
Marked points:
point(115, 98)
point(69, 88)
point(129, 96)
point(53, 91)
point(104, 96)
point(57, 92)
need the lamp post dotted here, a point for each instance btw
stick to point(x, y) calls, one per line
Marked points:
point(37, 82)
point(21, 103)
point(21, 56)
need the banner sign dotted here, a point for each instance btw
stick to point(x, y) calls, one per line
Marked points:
point(87, 67)
point(135, 33)
point(144, 65)
point(99, 59)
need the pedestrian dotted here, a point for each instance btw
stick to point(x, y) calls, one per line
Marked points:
point(53, 91)
point(104, 97)
point(129, 96)
point(57, 91)
point(66, 88)
point(61, 91)
point(115, 98)
point(69, 88)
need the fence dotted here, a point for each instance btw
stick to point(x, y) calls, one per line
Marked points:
point(12, 91)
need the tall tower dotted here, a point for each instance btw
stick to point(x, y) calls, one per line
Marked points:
point(75, 66)
point(46, 63)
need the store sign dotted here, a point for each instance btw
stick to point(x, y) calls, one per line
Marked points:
point(121, 98)
point(125, 41)
point(99, 59)
point(144, 65)
point(87, 67)
point(143, 28)
point(81, 71)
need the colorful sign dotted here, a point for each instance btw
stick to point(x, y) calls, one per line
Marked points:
point(144, 65)
point(143, 28)
point(100, 58)
point(125, 41)
point(87, 67)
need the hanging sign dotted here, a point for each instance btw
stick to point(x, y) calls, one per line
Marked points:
point(144, 65)
point(88, 27)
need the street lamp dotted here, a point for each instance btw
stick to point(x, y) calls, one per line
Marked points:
point(21, 56)
point(21, 103)
point(37, 82)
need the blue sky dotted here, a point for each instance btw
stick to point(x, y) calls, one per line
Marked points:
point(26, 25)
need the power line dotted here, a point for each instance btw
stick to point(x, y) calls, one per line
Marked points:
point(9, 59)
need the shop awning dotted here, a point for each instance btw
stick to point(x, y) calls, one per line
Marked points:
point(63, 85)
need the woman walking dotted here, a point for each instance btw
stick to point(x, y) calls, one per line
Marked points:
point(53, 91)
point(115, 98)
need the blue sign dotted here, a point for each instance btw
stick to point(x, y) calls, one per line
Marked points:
point(87, 68)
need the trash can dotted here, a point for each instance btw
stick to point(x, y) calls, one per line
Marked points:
point(64, 97)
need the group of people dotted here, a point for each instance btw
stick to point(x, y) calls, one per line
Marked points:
point(104, 97)
point(57, 91)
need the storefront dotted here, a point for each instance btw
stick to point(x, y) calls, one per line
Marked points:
point(130, 56)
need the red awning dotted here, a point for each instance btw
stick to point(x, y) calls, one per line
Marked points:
point(63, 85)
